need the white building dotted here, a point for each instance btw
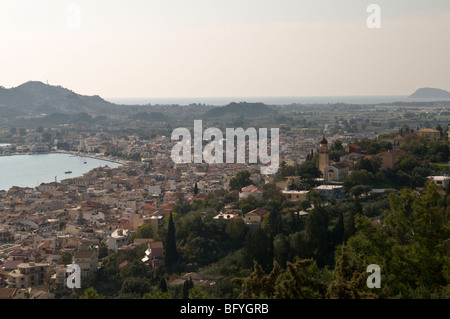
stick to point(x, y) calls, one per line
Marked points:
point(295, 195)
point(330, 191)
point(336, 172)
point(439, 180)
point(119, 238)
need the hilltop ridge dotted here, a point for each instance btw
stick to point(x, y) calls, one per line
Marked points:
point(35, 97)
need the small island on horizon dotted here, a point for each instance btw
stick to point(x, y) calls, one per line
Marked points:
point(430, 93)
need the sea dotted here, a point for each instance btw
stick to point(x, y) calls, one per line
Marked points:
point(32, 170)
point(221, 101)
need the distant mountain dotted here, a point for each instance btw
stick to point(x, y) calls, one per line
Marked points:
point(34, 97)
point(242, 110)
point(430, 93)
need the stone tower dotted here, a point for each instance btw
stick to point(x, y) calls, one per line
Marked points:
point(324, 159)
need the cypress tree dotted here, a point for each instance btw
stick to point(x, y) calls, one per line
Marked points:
point(195, 189)
point(273, 224)
point(187, 285)
point(162, 285)
point(315, 236)
point(171, 255)
point(350, 228)
point(337, 234)
point(258, 247)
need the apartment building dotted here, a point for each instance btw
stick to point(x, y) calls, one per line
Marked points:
point(28, 275)
point(6, 236)
point(88, 262)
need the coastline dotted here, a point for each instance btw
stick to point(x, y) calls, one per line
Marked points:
point(99, 157)
point(78, 154)
point(108, 162)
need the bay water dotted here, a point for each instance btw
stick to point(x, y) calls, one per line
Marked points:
point(32, 170)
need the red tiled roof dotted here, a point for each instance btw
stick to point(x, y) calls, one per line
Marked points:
point(156, 244)
point(259, 211)
point(7, 293)
point(252, 189)
point(12, 263)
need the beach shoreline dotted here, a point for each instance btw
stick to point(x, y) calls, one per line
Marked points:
point(87, 155)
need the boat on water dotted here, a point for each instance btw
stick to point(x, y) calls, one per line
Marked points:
point(68, 172)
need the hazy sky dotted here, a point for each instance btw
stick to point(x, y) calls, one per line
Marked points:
point(220, 48)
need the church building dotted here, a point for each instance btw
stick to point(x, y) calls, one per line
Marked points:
point(331, 172)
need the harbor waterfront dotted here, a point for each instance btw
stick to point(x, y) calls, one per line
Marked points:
point(32, 170)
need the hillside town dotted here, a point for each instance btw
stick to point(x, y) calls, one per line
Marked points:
point(91, 217)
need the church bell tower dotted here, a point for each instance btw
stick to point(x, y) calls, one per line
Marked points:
point(324, 159)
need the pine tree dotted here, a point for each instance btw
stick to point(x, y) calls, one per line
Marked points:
point(349, 281)
point(302, 280)
point(257, 285)
point(91, 293)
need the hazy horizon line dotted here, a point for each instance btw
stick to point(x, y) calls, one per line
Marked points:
point(273, 100)
point(249, 96)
